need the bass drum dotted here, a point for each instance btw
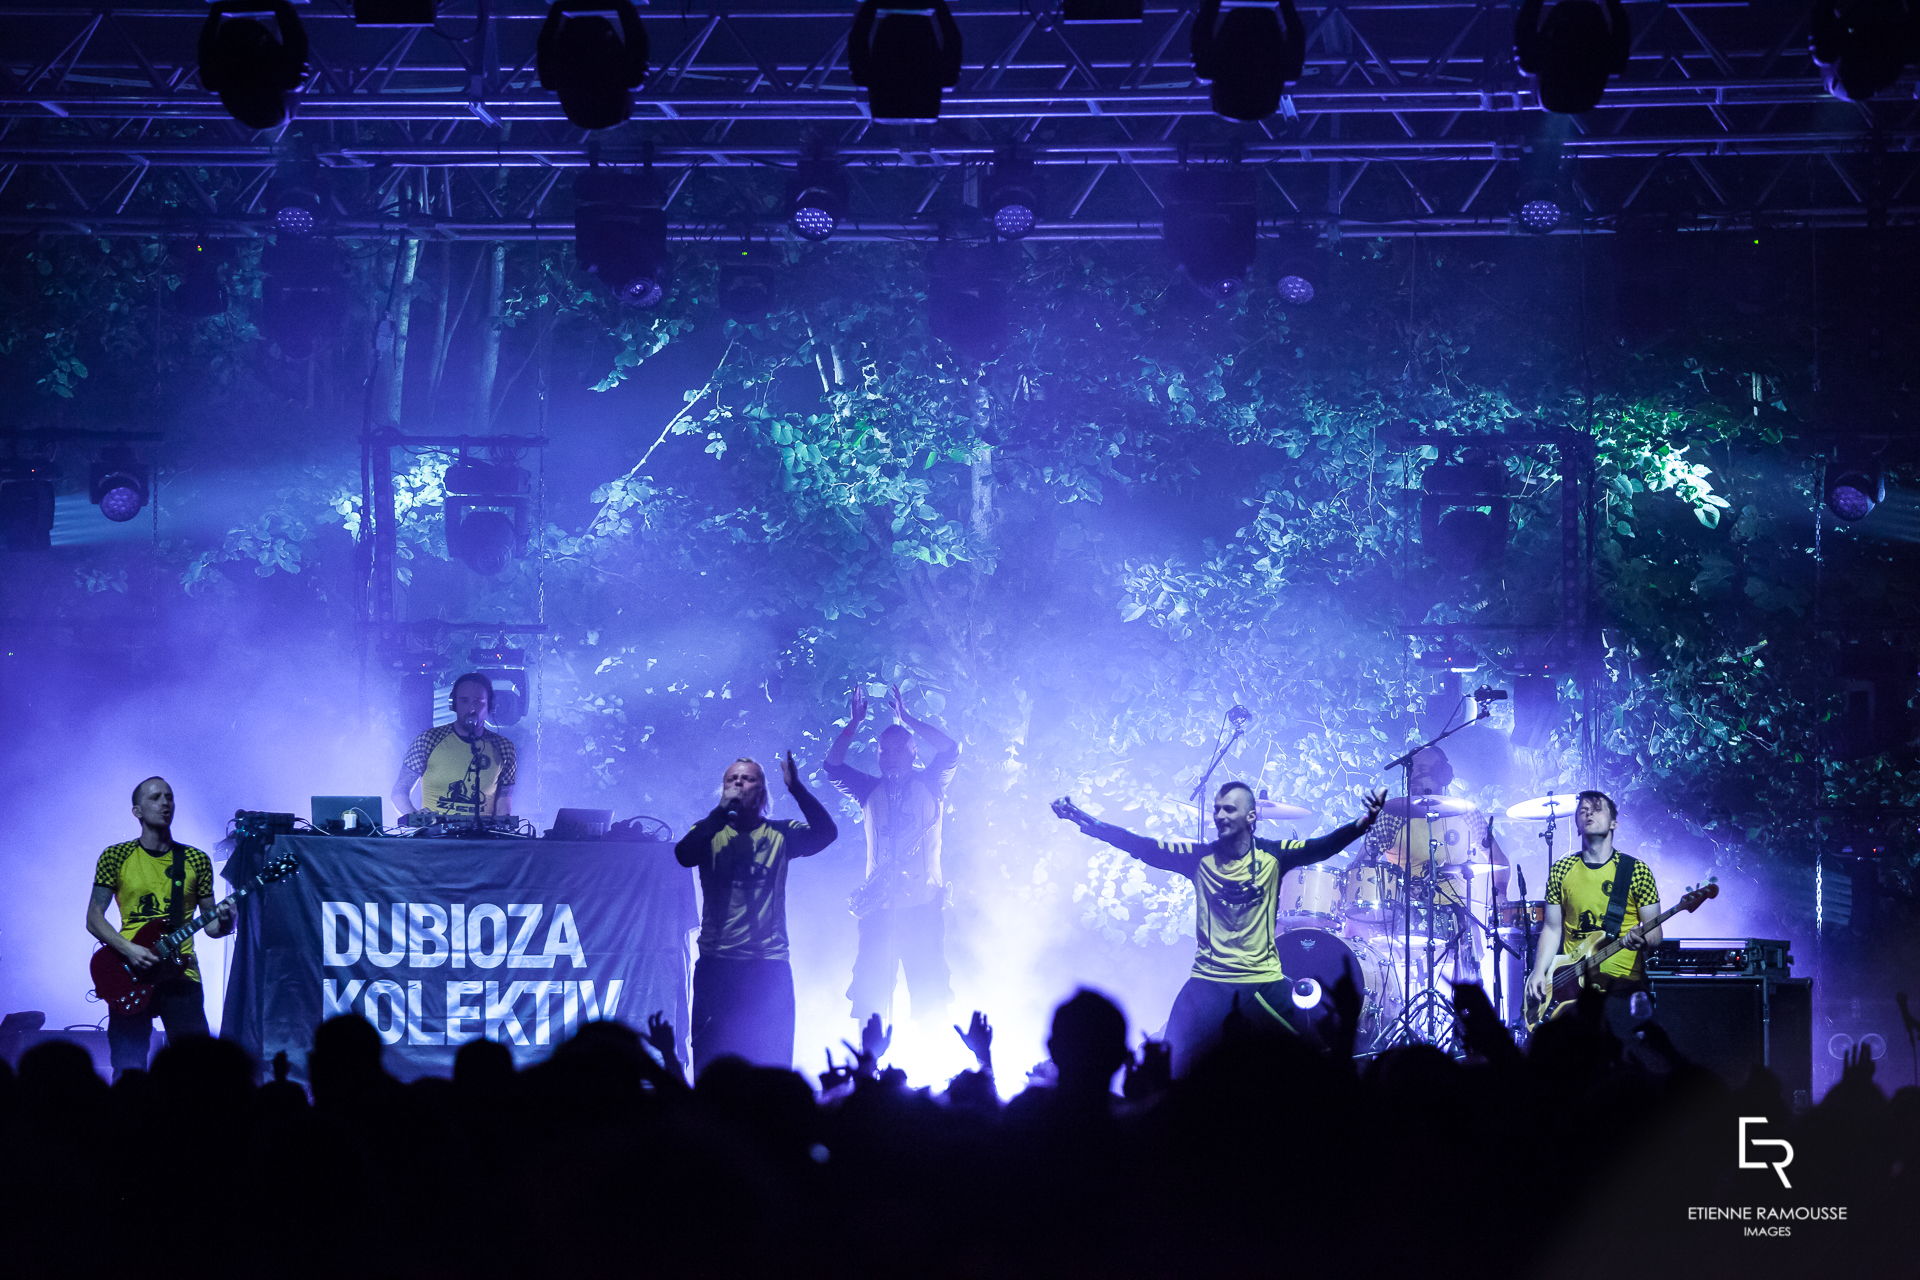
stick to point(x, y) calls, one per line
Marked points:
point(1313, 960)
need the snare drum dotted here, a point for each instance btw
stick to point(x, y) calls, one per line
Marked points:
point(1311, 893)
point(1373, 893)
point(1313, 961)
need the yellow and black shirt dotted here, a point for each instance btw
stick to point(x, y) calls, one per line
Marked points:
point(444, 762)
point(1235, 899)
point(1582, 893)
point(743, 877)
point(143, 890)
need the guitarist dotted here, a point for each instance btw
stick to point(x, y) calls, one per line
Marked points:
point(153, 878)
point(1599, 890)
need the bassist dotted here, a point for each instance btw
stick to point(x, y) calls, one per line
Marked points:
point(1599, 890)
point(153, 878)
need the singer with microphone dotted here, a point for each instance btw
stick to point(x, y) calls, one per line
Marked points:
point(464, 769)
point(742, 981)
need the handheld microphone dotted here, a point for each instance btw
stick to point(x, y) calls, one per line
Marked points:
point(1239, 717)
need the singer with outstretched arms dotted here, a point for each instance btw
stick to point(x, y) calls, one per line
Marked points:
point(1236, 884)
point(742, 981)
point(464, 769)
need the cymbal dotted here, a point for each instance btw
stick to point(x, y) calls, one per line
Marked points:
point(1540, 808)
point(1465, 869)
point(1430, 806)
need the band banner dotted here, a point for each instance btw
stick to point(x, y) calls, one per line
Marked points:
point(438, 942)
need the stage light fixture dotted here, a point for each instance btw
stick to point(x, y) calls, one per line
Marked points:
point(1295, 289)
point(1447, 653)
point(118, 485)
point(393, 13)
point(1463, 515)
point(26, 506)
point(1300, 269)
point(1249, 52)
point(1862, 46)
point(1854, 489)
point(1210, 227)
point(1540, 215)
point(487, 509)
point(903, 53)
point(1012, 197)
point(1090, 11)
point(817, 200)
point(253, 53)
point(620, 235)
point(592, 54)
point(295, 208)
point(1571, 49)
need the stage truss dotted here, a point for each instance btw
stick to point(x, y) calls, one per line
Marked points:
point(1412, 119)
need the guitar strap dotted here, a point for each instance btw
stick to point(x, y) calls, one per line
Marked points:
point(1617, 904)
point(177, 873)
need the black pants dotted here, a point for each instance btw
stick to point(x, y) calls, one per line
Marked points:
point(1201, 1009)
point(915, 937)
point(743, 1008)
point(181, 1010)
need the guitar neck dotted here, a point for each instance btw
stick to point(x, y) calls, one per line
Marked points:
point(1603, 953)
point(174, 940)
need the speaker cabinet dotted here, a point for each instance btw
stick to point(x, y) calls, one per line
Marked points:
point(92, 1039)
point(1732, 1025)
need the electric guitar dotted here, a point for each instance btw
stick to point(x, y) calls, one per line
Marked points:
point(1574, 972)
point(129, 993)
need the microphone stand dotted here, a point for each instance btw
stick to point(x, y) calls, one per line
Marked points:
point(473, 772)
point(1197, 795)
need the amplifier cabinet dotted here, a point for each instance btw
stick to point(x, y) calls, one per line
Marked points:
point(1732, 1024)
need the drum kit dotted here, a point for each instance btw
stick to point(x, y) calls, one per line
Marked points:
point(1410, 917)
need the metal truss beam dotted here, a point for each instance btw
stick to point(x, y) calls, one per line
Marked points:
point(1411, 118)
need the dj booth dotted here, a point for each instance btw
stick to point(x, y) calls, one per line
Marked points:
point(440, 941)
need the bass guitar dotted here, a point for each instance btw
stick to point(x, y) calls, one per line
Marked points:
point(1574, 972)
point(129, 993)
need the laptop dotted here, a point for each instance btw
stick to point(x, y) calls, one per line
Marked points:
point(580, 824)
point(347, 815)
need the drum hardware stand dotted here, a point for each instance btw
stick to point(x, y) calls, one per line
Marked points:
point(1429, 1002)
point(1424, 1018)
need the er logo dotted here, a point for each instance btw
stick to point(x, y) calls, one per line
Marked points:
point(1779, 1166)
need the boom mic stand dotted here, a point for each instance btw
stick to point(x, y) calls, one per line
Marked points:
point(1238, 717)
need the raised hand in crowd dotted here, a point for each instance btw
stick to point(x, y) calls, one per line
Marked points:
point(1481, 1030)
point(663, 1038)
point(898, 701)
point(790, 772)
point(1150, 1074)
point(1346, 1021)
point(875, 1039)
point(978, 1037)
point(857, 706)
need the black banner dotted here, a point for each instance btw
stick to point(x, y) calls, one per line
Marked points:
point(438, 942)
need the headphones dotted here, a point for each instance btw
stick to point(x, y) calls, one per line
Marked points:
point(472, 677)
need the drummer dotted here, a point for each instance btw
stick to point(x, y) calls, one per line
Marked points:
point(1461, 842)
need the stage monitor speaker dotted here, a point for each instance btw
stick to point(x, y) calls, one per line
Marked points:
point(1731, 1025)
point(92, 1039)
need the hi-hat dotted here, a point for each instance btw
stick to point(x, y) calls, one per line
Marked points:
point(1541, 808)
point(1429, 807)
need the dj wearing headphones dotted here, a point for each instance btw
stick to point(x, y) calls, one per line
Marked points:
point(464, 769)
